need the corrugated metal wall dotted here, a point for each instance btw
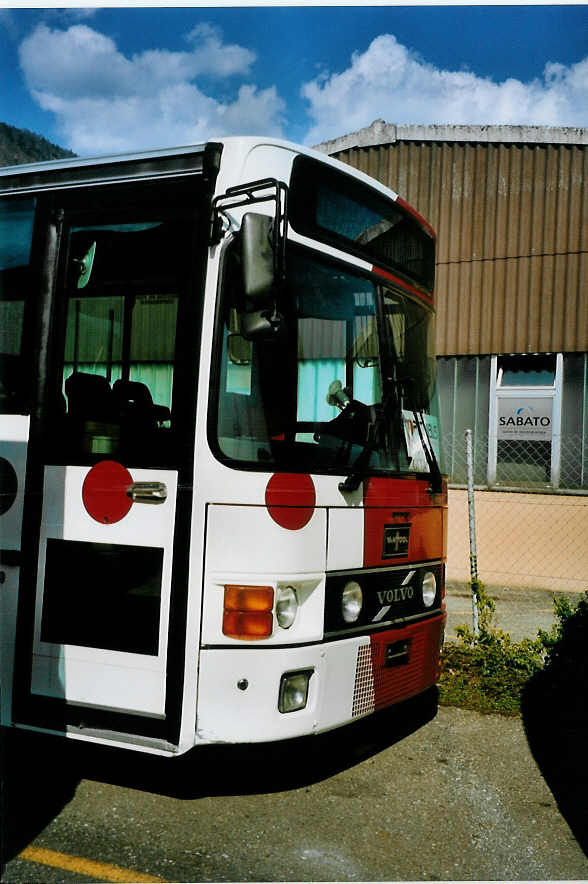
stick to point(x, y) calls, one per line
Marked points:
point(512, 225)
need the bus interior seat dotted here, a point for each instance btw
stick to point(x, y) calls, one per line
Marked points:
point(10, 377)
point(89, 397)
point(134, 402)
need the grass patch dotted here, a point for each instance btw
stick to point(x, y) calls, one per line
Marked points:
point(486, 679)
point(488, 672)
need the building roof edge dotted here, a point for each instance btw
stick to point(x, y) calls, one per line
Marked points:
point(380, 132)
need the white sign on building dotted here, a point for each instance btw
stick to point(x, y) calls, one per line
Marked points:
point(525, 418)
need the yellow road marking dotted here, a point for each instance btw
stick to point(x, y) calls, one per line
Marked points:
point(79, 865)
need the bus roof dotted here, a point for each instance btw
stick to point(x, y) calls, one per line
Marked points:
point(163, 162)
point(101, 159)
point(88, 170)
point(179, 160)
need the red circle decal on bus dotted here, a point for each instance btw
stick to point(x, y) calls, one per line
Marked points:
point(8, 485)
point(290, 499)
point(104, 492)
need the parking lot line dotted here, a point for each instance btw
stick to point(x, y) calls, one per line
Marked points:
point(90, 868)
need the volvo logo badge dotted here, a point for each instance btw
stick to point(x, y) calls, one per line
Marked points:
point(396, 539)
point(399, 594)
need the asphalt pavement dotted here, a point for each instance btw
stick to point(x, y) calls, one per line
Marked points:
point(401, 796)
point(458, 798)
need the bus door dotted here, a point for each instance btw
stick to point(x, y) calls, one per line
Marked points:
point(111, 446)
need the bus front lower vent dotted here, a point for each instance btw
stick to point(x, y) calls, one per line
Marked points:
point(363, 693)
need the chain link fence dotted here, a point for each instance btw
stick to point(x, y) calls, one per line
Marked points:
point(519, 464)
point(531, 529)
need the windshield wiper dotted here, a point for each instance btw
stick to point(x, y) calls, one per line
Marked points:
point(429, 452)
point(358, 468)
point(376, 427)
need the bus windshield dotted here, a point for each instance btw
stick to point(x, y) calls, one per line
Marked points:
point(339, 388)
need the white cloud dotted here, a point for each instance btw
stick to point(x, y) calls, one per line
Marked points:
point(107, 102)
point(391, 82)
point(213, 57)
point(256, 109)
point(74, 64)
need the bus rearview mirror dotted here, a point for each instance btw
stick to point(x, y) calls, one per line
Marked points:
point(84, 266)
point(239, 349)
point(258, 259)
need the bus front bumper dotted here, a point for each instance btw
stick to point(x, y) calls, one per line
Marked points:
point(241, 689)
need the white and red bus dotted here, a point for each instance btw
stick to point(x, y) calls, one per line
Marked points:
point(222, 516)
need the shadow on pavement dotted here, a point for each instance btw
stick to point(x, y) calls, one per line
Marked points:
point(262, 767)
point(555, 715)
point(41, 774)
point(39, 777)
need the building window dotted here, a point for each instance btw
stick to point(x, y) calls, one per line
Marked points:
point(528, 415)
point(526, 371)
point(524, 421)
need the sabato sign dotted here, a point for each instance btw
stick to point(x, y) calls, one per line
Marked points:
point(525, 419)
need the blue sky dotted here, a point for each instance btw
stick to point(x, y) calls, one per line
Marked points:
point(114, 79)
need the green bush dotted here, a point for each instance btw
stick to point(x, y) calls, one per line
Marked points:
point(566, 643)
point(489, 671)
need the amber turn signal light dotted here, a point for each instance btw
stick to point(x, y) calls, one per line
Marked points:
point(249, 598)
point(248, 611)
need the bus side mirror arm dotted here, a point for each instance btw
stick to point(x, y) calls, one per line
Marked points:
point(263, 191)
point(263, 253)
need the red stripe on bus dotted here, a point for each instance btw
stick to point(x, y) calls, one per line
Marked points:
point(422, 221)
point(403, 284)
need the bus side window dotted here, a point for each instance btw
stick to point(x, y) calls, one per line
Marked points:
point(120, 343)
point(16, 235)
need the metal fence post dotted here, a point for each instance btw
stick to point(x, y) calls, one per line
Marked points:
point(472, 522)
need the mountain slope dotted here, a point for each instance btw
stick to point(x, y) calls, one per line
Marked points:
point(21, 146)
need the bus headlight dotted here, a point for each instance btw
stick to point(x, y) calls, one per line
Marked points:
point(286, 606)
point(351, 601)
point(429, 589)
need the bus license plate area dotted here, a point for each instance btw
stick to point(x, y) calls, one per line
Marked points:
point(397, 653)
